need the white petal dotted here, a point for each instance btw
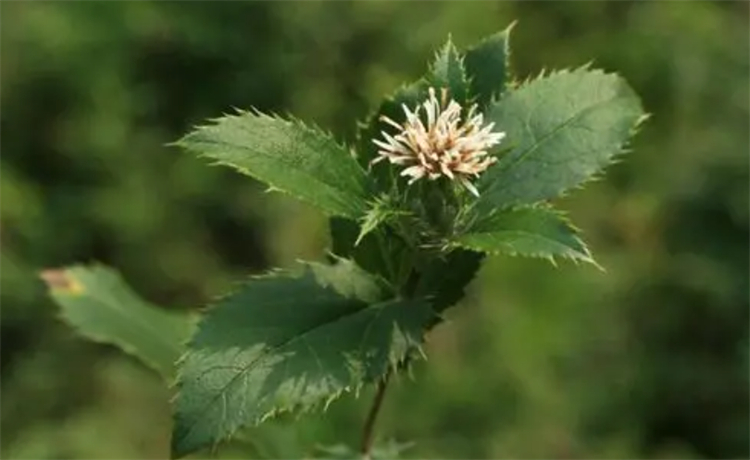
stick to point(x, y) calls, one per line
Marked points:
point(444, 168)
point(469, 186)
point(382, 144)
point(396, 160)
point(378, 159)
point(416, 171)
point(391, 122)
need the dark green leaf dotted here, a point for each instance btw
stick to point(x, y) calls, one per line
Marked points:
point(288, 156)
point(344, 234)
point(444, 280)
point(378, 252)
point(97, 302)
point(563, 129)
point(283, 343)
point(447, 71)
point(488, 66)
point(533, 232)
point(383, 210)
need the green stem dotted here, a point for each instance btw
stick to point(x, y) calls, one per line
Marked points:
point(368, 434)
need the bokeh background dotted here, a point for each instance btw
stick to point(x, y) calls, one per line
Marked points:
point(646, 360)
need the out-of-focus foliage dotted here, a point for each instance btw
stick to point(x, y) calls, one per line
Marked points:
point(649, 359)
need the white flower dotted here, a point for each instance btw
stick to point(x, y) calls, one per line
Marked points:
point(446, 146)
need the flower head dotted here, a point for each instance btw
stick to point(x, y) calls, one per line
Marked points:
point(446, 145)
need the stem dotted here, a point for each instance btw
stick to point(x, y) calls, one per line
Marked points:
point(369, 429)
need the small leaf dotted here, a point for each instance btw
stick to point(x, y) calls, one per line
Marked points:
point(447, 71)
point(563, 129)
point(373, 219)
point(488, 66)
point(289, 156)
point(284, 343)
point(382, 211)
point(97, 302)
point(534, 232)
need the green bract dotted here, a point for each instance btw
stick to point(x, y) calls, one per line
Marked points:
point(401, 254)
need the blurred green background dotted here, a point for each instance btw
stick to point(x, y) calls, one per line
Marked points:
point(647, 360)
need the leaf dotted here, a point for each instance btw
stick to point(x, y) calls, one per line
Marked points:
point(288, 342)
point(349, 280)
point(372, 220)
point(344, 233)
point(444, 280)
point(563, 129)
point(488, 67)
point(384, 209)
point(101, 307)
point(534, 232)
point(287, 155)
point(377, 252)
point(447, 71)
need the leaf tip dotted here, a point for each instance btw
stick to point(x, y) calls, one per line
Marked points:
point(511, 26)
point(177, 448)
point(596, 264)
point(60, 281)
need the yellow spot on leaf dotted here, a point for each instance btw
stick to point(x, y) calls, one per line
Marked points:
point(61, 281)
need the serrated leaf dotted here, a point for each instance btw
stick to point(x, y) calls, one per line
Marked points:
point(287, 342)
point(101, 307)
point(488, 66)
point(443, 281)
point(288, 156)
point(447, 71)
point(373, 219)
point(562, 128)
point(533, 232)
